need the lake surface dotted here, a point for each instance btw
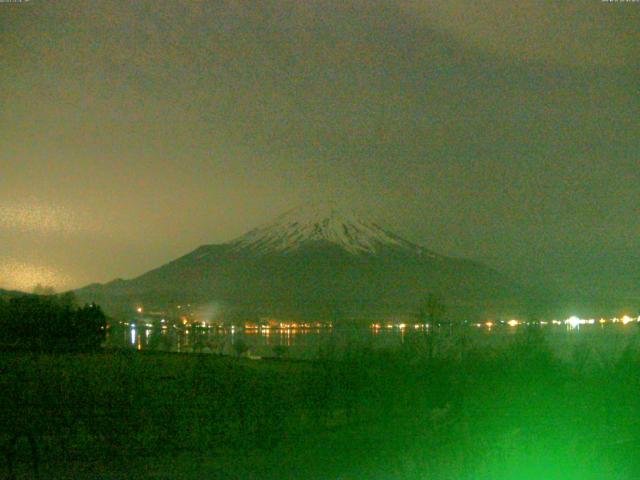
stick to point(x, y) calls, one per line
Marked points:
point(600, 341)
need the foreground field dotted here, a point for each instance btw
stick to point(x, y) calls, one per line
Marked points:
point(513, 413)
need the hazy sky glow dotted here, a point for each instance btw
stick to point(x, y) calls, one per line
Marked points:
point(504, 131)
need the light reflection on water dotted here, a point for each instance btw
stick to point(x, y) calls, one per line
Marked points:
point(600, 340)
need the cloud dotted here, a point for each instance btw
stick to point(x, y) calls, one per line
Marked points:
point(585, 33)
point(40, 217)
point(17, 275)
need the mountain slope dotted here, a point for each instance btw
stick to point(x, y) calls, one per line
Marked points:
point(316, 262)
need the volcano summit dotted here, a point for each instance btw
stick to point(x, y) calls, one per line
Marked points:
point(322, 223)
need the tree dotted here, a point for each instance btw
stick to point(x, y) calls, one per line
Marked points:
point(431, 310)
point(91, 327)
point(46, 290)
point(51, 323)
point(430, 313)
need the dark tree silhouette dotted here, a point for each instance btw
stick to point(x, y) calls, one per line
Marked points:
point(431, 312)
point(51, 323)
point(40, 289)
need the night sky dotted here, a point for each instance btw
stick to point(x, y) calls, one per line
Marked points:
point(133, 132)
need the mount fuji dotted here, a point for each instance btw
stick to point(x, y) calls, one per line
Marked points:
point(316, 262)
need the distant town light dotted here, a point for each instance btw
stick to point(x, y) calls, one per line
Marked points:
point(573, 322)
point(513, 323)
point(139, 309)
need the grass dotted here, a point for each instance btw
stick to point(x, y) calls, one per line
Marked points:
point(516, 412)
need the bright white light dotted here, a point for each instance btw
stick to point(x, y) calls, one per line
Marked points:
point(573, 322)
point(139, 309)
point(626, 319)
point(513, 323)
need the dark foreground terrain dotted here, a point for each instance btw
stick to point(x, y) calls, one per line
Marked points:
point(514, 413)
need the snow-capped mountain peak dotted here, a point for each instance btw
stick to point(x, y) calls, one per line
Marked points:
point(321, 222)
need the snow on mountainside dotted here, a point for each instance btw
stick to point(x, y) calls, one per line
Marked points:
point(321, 222)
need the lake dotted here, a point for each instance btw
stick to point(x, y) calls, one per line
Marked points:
point(601, 341)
